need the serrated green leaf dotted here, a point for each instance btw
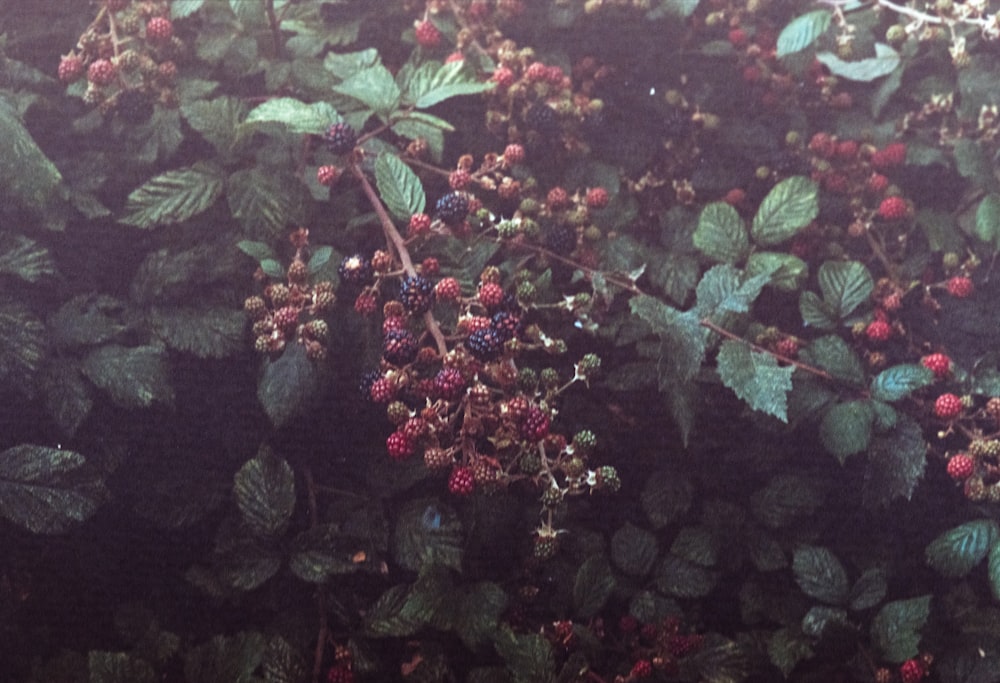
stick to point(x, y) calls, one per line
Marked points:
point(785, 498)
point(801, 32)
point(427, 533)
point(755, 377)
point(217, 120)
point(882, 64)
point(993, 570)
point(174, 196)
point(167, 276)
point(320, 257)
point(683, 579)
point(786, 648)
point(724, 289)
point(819, 617)
point(66, 394)
point(787, 272)
point(43, 490)
point(528, 656)
point(179, 9)
point(697, 544)
point(721, 235)
point(666, 496)
point(479, 611)
point(258, 251)
point(633, 550)
point(87, 319)
point(395, 615)
point(414, 128)
point(765, 551)
point(22, 346)
point(118, 667)
point(820, 574)
point(896, 462)
point(273, 268)
point(282, 663)
point(846, 428)
point(816, 312)
point(135, 377)
point(204, 332)
point(25, 258)
point(790, 206)
point(987, 226)
point(719, 661)
point(297, 116)
point(399, 187)
point(448, 80)
point(831, 353)
point(593, 586)
point(374, 87)
point(869, 590)
point(845, 285)
point(226, 659)
point(265, 202)
point(899, 381)
point(287, 384)
point(680, 332)
point(896, 628)
point(954, 553)
point(28, 179)
point(265, 493)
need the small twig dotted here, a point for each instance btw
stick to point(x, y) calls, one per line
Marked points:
point(272, 19)
point(705, 322)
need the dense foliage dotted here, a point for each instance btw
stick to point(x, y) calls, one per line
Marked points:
point(672, 321)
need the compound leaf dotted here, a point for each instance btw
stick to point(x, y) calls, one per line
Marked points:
point(755, 378)
point(790, 206)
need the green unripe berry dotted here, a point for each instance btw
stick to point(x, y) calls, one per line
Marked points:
point(588, 365)
point(607, 478)
point(529, 206)
point(549, 378)
point(592, 233)
point(895, 35)
point(530, 228)
point(950, 260)
point(527, 379)
point(584, 441)
point(397, 412)
point(531, 463)
point(762, 173)
point(527, 293)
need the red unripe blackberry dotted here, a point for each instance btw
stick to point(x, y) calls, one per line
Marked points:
point(641, 669)
point(452, 208)
point(393, 323)
point(399, 446)
point(628, 624)
point(473, 323)
point(751, 73)
point(557, 199)
point(911, 671)
point(365, 304)
point(835, 182)
point(340, 138)
point(846, 150)
point(892, 155)
point(447, 289)
point(491, 295)
point(877, 183)
point(960, 467)
point(340, 674)
point(430, 266)
point(735, 197)
point(503, 77)
point(960, 287)
point(597, 198)
point(788, 347)
point(449, 384)
point(427, 34)
point(420, 224)
point(71, 68)
point(286, 319)
point(535, 426)
point(948, 406)
point(459, 179)
point(167, 71)
point(938, 363)
point(878, 331)
point(822, 145)
point(159, 30)
point(681, 644)
point(455, 56)
point(400, 347)
point(536, 71)
point(461, 481)
point(417, 294)
point(328, 175)
point(513, 154)
point(101, 72)
point(893, 209)
point(738, 38)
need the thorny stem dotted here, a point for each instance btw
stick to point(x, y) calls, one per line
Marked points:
point(627, 285)
point(705, 322)
point(396, 240)
point(880, 255)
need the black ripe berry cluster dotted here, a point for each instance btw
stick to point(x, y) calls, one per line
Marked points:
point(485, 345)
point(542, 118)
point(417, 294)
point(452, 208)
point(399, 347)
point(134, 106)
point(340, 138)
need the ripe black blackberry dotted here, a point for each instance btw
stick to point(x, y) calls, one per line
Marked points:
point(340, 138)
point(485, 345)
point(133, 106)
point(355, 271)
point(561, 239)
point(399, 347)
point(452, 208)
point(506, 325)
point(542, 118)
point(367, 380)
point(417, 294)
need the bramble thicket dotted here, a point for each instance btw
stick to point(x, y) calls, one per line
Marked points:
point(500, 341)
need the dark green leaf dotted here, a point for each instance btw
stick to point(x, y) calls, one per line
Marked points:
point(67, 394)
point(680, 332)
point(273, 268)
point(724, 289)
point(819, 617)
point(226, 659)
point(395, 614)
point(755, 377)
point(135, 377)
point(287, 384)
point(118, 667)
point(399, 187)
point(479, 611)
point(974, 164)
point(683, 579)
point(297, 116)
point(258, 251)
point(27, 178)
point(696, 544)
point(993, 569)
point(816, 312)
point(204, 332)
point(179, 9)
point(217, 120)
point(954, 553)
point(634, 550)
point(845, 285)
point(374, 87)
point(883, 63)
point(787, 272)
point(719, 661)
point(790, 206)
point(428, 533)
point(265, 493)
point(896, 462)
point(987, 226)
point(22, 346)
point(820, 574)
point(593, 586)
point(265, 202)
point(765, 552)
point(831, 353)
point(43, 490)
point(869, 589)
point(783, 499)
point(25, 258)
point(800, 33)
point(666, 496)
point(283, 663)
point(174, 196)
point(721, 235)
point(87, 319)
point(449, 80)
point(320, 257)
point(528, 656)
point(786, 648)
point(896, 628)
point(846, 428)
point(899, 381)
